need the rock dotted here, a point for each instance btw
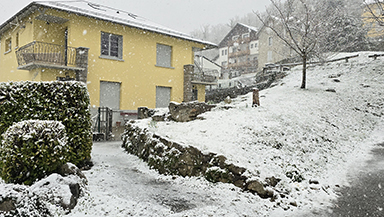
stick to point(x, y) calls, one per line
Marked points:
point(71, 169)
point(331, 90)
point(7, 205)
point(272, 181)
point(334, 76)
point(219, 161)
point(258, 188)
point(59, 190)
point(313, 182)
point(75, 190)
point(185, 112)
point(228, 100)
point(43, 198)
point(144, 112)
point(239, 183)
point(236, 170)
point(158, 118)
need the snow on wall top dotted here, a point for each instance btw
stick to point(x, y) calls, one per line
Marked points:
point(123, 17)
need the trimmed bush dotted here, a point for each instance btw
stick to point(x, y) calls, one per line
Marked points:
point(67, 102)
point(31, 150)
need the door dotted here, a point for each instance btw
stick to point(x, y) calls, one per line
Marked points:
point(110, 95)
point(163, 96)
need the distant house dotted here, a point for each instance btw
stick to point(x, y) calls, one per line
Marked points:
point(125, 60)
point(239, 50)
point(271, 48)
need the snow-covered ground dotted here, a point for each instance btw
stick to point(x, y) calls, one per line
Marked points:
point(318, 134)
point(314, 133)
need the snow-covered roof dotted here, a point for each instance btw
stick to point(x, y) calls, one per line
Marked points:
point(233, 32)
point(249, 27)
point(107, 13)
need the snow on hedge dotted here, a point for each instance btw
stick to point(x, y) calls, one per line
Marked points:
point(67, 102)
point(32, 149)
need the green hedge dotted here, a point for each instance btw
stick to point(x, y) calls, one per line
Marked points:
point(67, 102)
point(31, 150)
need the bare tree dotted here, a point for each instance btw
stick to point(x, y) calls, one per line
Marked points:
point(304, 26)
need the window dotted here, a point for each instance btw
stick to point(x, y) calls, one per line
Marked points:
point(255, 45)
point(246, 35)
point(111, 45)
point(226, 51)
point(269, 57)
point(222, 53)
point(163, 55)
point(235, 37)
point(8, 45)
point(251, 46)
point(270, 41)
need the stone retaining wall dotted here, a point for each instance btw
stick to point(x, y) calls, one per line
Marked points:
point(171, 158)
point(218, 95)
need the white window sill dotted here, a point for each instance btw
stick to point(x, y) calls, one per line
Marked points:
point(8, 51)
point(111, 58)
point(167, 67)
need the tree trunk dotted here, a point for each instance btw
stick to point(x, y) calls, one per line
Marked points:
point(304, 79)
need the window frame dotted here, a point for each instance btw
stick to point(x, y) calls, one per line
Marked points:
point(109, 44)
point(8, 45)
point(168, 63)
point(17, 40)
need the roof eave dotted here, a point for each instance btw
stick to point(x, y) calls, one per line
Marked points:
point(27, 10)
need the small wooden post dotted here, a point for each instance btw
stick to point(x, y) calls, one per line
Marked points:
point(256, 100)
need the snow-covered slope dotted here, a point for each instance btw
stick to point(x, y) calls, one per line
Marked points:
point(314, 133)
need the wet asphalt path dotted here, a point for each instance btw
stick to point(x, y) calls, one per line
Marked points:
point(365, 196)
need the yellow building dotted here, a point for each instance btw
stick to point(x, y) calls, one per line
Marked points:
point(126, 61)
point(373, 19)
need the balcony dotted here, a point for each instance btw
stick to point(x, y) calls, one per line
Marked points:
point(201, 78)
point(47, 55)
point(240, 53)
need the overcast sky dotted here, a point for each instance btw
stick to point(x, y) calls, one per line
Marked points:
point(181, 15)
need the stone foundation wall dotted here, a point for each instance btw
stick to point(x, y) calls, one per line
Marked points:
point(171, 158)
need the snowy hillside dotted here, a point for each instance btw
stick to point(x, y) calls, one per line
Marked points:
point(312, 134)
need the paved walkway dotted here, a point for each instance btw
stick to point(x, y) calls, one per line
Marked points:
point(365, 196)
point(121, 184)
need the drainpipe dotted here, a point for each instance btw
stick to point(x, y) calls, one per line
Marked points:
point(82, 62)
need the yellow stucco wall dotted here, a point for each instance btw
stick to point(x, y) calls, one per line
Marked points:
point(201, 92)
point(136, 71)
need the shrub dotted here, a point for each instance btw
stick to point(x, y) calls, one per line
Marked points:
point(67, 102)
point(31, 150)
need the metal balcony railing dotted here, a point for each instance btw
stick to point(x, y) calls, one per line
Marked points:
point(240, 53)
point(200, 77)
point(46, 54)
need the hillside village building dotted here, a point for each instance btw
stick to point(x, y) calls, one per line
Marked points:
point(125, 60)
point(246, 49)
point(239, 49)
